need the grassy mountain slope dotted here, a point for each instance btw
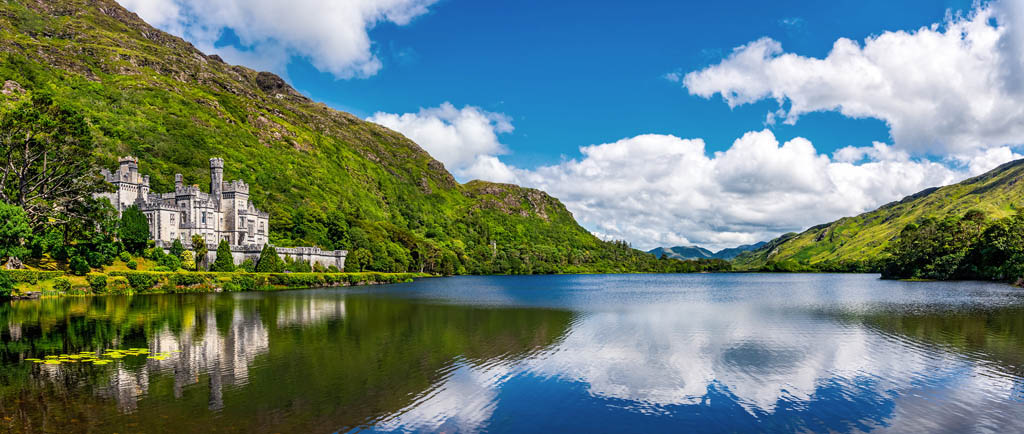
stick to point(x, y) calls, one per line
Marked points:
point(327, 177)
point(862, 238)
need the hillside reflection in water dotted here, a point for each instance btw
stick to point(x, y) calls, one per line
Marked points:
point(600, 353)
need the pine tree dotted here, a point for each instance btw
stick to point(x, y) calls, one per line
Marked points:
point(269, 261)
point(133, 230)
point(224, 261)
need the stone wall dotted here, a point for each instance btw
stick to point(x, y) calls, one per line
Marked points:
point(252, 251)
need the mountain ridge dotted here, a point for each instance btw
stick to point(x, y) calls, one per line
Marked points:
point(857, 243)
point(326, 177)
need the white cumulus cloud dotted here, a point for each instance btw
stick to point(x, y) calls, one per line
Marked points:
point(949, 88)
point(658, 190)
point(333, 35)
point(465, 140)
point(661, 190)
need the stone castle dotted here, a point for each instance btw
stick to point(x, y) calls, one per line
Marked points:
point(223, 214)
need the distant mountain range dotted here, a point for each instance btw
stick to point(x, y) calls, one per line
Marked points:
point(698, 252)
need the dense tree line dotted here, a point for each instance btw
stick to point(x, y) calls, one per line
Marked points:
point(959, 247)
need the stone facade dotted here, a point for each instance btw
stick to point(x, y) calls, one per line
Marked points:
point(225, 213)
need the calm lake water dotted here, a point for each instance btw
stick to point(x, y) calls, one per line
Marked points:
point(618, 353)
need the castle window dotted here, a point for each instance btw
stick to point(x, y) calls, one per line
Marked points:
point(204, 217)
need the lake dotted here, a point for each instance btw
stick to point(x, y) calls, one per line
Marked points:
point(593, 353)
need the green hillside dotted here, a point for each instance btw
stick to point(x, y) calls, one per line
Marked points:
point(327, 178)
point(858, 242)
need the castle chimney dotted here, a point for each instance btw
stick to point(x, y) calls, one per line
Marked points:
point(178, 181)
point(216, 179)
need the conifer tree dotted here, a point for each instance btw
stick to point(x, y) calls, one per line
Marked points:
point(269, 261)
point(224, 261)
point(133, 230)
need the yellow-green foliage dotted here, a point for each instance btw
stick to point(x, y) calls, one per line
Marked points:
point(860, 241)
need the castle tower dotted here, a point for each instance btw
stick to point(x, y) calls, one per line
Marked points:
point(179, 182)
point(216, 179)
point(128, 167)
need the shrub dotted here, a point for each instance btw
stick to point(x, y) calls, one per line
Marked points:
point(247, 265)
point(172, 262)
point(161, 269)
point(98, 282)
point(176, 248)
point(333, 269)
point(132, 264)
point(140, 280)
point(154, 253)
point(79, 266)
point(188, 261)
point(118, 285)
point(125, 257)
point(6, 285)
point(300, 267)
point(61, 284)
point(243, 282)
point(31, 277)
point(319, 268)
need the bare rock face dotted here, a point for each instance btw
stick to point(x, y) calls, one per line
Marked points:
point(271, 83)
point(14, 264)
point(11, 87)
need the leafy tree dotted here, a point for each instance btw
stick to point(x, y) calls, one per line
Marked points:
point(133, 230)
point(47, 158)
point(269, 262)
point(359, 259)
point(199, 247)
point(14, 229)
point(176, 248)
point(224, 262)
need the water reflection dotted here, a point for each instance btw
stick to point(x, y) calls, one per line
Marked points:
point(290, 362)
point(597, 353)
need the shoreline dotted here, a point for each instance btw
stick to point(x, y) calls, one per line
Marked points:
point(31, 284)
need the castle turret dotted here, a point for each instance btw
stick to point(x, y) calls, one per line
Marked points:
point(179, 181)
point(216, 179)
point(128, 166)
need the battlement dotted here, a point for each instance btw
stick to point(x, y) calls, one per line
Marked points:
point(216, 163)
point(236, 186)
point(187, 190)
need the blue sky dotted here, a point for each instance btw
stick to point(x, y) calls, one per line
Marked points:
point(659, 122)
point(576, 73)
